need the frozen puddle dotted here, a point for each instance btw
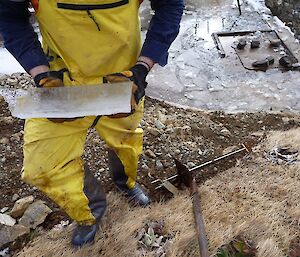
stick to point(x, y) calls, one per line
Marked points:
point(196, 76)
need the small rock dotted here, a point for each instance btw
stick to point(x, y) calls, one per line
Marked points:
point(159, 165)
point(177, 151)
point(258, 134)
point(20, 206)
point(15, 137)
point(241, 44)
point(150, 153)
point(154, 131)
point(15, 197)
point(191, 164)
point(10, 234)
point(4, 209)
point(4, 141)
point(145, 166)
point(35, 214)
point(225, 132)
point(286, 120)
point(159, 124)
point(7, 220)
point(8, 120)
point(275, 42)
point(255, 43)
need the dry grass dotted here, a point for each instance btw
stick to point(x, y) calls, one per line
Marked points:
point(258, 200)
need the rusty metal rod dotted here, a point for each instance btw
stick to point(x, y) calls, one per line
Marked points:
point(202, 165)
point(201, 233)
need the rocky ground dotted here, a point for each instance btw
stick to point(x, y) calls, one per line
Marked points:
point(192, 136)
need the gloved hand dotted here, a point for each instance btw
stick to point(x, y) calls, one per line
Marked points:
point(137, 74)
point(49, 79)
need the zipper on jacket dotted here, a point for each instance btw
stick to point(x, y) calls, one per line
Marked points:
point(93, 19)
point(86, 7)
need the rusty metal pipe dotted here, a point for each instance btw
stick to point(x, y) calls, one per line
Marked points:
point(186, 178)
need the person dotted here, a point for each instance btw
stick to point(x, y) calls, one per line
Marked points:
point(86, 42)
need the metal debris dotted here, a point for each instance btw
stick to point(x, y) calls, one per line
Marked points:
point(244, 148)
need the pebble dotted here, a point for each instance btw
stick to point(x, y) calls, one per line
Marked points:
point(4, 209)
point(159, 124)
point(7, 220)
point(225, 132)
point(177, 151)
point(8, 120)
point(191, 164)
point(4, 141)
point(15, 197)
point(150, 153)
point(20, 206)
point(154, 131)
point(159, 165)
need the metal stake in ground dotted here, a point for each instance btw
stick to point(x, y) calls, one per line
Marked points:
point(187, 179)
point(239, 5)
point(245, 148)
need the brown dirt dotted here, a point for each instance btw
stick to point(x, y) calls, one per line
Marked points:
point(203, 140)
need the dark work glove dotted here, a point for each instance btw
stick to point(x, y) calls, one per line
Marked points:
point(137, 74)
point(49, 79)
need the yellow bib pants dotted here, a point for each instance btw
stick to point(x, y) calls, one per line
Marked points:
point(88, 39)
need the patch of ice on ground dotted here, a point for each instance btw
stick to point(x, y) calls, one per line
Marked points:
point(8, 64)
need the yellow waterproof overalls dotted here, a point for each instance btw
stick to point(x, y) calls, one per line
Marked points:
point(88, 39)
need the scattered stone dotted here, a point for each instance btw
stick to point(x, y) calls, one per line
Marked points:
point(7, 220)
point(191, 164)
point(10, 234)
point(225, 132)
point(4, 209)
point(177, 151)
point(275, 42)
point(35, 214)
point(264, 63)
point(159, 124)
point(255, 43)
point(8, 120)
point(154, 131)
point(258, 134)
point(15, 197)
point(241, 44)
point(286, 62)
point(150, 153)
point(159, 165)
point(4, 141)
point(20, 206)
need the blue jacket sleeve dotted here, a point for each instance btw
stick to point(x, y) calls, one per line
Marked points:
point(19, 37)
point(163, 29)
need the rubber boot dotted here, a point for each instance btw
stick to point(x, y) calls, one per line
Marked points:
point(84, 235)
point(135, 195)
point(97, 203)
